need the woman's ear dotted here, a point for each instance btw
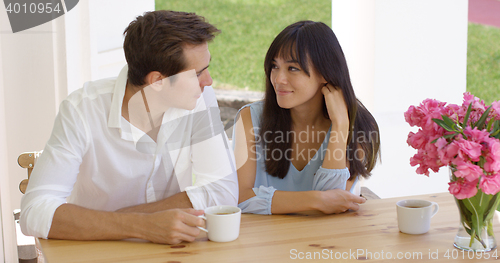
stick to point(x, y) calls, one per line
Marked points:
point(322, 80)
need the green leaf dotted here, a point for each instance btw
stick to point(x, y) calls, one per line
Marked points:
point(484, 202)
point(465, 214)
point(490, 123)
point(467, 229)
point(451, 135)
point(490, 228)
point(469, 109)
point(477, 218)
point(494, 203)
point(443, 124)
point(496, 129)
point(450, 122)
point(480, 122)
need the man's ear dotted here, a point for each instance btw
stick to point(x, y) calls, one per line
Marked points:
point(154, 79)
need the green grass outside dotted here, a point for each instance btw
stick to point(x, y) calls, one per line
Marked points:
point(483, 62)
point(249, 26)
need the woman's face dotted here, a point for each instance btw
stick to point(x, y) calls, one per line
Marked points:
point(292, 85)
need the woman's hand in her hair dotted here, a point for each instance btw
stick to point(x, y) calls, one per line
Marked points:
point(337, 109)
point(338, 201)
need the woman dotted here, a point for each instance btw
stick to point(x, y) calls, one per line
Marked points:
point(310, 137)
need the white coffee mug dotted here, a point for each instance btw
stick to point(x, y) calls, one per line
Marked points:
point(414, 216)
point(222, 223)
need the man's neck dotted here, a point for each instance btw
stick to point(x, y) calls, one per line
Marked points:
point(130, 90)
point(137, 114)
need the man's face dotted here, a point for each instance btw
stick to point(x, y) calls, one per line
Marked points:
point(198, 57)
point(178, 91)
point(186, 87)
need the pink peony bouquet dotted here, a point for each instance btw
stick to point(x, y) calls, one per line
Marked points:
point(465, 138)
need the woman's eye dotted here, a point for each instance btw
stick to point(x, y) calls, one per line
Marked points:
point(293, 69)
point(273, 66)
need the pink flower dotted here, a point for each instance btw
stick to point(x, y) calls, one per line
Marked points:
point(441, 143)
point(423, 170)
point(453, 111)
point(413, 116)
point(425, 162)
point(422, 115)
point(418, 159)
point(446, 151)
point(474, 153)
point(463, 189)
point(468, 171)
point(476, 135)
point(490, 184)
point(478, 108)
point(469, 149)
point(495, 109)
point(417, 140)
point(493, 148)
point(431, 151)
point(492, 164)
point(477, 104)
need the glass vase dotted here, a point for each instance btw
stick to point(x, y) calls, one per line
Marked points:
point(481, 242)
point(475, 232)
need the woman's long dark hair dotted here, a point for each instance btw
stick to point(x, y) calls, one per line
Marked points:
point(315, 42)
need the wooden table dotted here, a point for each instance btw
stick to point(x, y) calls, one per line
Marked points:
point(370, 233)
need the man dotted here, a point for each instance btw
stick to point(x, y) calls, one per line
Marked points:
point(108, 173)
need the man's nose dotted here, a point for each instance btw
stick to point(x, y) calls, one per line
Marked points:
point(205, 79)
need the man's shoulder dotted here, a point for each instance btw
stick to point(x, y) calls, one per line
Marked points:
point(91, 91)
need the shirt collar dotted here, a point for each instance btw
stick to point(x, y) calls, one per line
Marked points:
point(115, 112)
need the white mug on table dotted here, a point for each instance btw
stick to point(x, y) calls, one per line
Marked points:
point(414, 216)
point(222, 223)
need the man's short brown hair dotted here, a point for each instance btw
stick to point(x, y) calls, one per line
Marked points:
point(155, 41)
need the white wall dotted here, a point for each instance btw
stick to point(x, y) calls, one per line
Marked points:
point(400, 52)
point(6, 252)
point(29, 104)
point(94, 38)
point(38, 68)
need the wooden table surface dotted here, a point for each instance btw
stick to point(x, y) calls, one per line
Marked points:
point(371, 233)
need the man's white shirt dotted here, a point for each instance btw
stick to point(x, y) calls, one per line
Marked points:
point(96, 159)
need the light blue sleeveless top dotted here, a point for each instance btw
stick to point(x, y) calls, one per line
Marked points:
point(312, 177)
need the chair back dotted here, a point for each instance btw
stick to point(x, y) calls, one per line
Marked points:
point(27, 160)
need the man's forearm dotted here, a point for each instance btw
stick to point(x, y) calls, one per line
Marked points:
point(166, 227)
point(78, 223)
point(179, 200)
